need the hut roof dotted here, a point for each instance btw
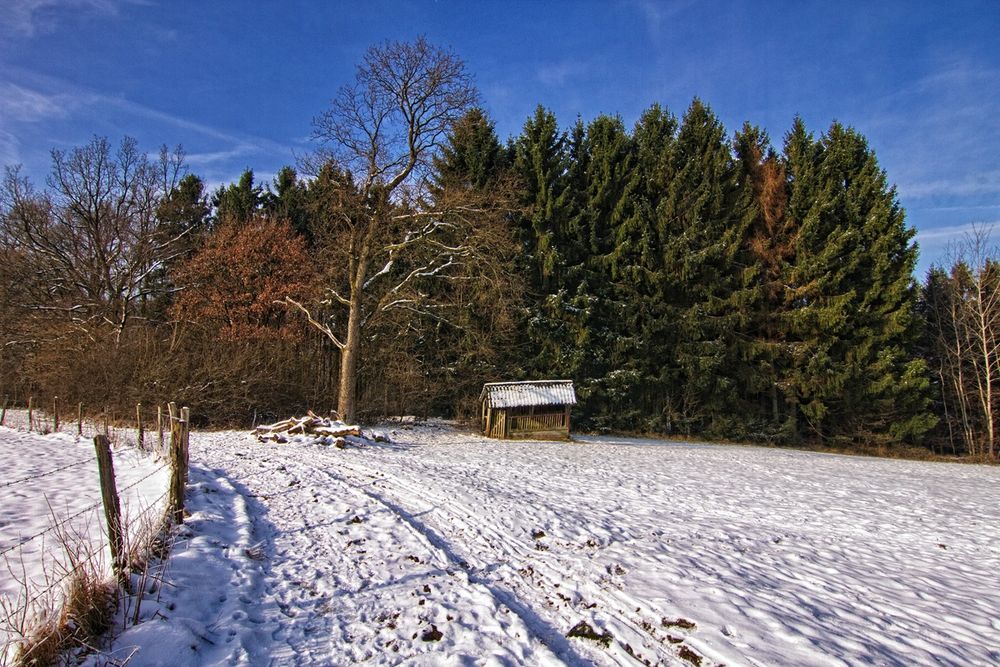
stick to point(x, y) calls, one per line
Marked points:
point(524, 394)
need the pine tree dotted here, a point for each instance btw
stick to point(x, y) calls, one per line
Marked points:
point(238, 202)
point(477, 344)
point(288, 202)
point(613, 198)
point(473, 156)
point(700, 236)
point(549, 245)
point(183, 214)
point(541, 162)
point(185, 210)
point(805, 311)
point(767, 247)
point(645, 332)
point(851, 322)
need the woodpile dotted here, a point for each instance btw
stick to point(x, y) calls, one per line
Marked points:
point(313, 427)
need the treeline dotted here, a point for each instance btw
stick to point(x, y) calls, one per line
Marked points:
point(105, 298)
point(689, 281)
point(700, 284)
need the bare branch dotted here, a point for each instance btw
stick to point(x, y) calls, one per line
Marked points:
point(325, 330)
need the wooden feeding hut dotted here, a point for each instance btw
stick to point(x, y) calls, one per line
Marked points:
point(538, 409)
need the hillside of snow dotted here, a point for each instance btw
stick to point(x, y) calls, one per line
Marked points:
point(443, 547)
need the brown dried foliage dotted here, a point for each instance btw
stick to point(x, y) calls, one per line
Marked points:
point(233, 283)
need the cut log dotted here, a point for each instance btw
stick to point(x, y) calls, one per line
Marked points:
point(311, 424)
point(337, 431)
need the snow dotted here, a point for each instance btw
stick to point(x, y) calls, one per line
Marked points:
point(531, 393)
point(304, 554)
point(49, 478)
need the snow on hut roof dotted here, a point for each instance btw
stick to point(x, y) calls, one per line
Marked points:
point(524, 394)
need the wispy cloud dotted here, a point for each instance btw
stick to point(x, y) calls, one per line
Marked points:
point(21, 104)
point(52, 95)
point(965, 207)
point(30, 17)
point(933, 131)
point(981, 183)
point(559, 73)
point(655, 13)
point(940, 246)
point(165, 35)
point(9, 149)
point(34, 98)
point(215, 157)
point(956, 74)
point(22, 107)
point(940, 235)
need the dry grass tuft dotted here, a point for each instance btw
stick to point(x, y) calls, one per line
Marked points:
point(148, 540)
point(75, 607)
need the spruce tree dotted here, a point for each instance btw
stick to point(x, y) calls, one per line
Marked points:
point(472, 156)
point(238, 202)
point(183, 214)
point(806, 313)
point(646, 336)
point(609, 201)
point(475, 344)
point(768, 245)
point(541, 164)
point(851, 323)
point(700, 237)
point(289, 202)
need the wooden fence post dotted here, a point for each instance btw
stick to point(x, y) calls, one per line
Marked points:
point(176, 466)
point(159, 424)
point(79, 419)
point(185, 439)
point(31, 400)
point(3, 413)
point(55, 414)
point(138, 419)
point(112, 507)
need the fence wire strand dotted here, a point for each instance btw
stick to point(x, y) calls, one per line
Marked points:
point(31, 478)
point(51, 528)
point(83, 561)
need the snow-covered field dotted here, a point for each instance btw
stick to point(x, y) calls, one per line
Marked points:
point(446, 548)
point(50, 480)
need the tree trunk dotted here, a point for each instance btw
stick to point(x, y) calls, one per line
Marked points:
point(775, 410)
point(349, 362)
point(792, 402)
point(985, 346)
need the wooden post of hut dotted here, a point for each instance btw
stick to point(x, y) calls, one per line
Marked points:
point(538, 410)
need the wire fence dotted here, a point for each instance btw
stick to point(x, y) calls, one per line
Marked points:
point(158, 433)
point(147, 428)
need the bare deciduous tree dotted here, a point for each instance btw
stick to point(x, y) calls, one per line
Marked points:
point(387, 241)
point(91, 239)
point(964, 316)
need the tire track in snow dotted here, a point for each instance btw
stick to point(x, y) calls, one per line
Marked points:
point(304, 630)
point(544, 571)
point(545, 633)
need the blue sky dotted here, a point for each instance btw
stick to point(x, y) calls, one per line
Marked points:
point(237, 83)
